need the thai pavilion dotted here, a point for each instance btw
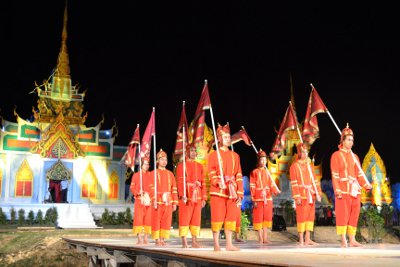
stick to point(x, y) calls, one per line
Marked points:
point(57, 145)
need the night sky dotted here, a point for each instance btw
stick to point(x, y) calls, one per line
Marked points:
point(131, 57)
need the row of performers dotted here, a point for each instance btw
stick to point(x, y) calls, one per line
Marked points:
point(153, 213)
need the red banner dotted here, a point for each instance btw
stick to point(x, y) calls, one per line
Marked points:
point(314, 107)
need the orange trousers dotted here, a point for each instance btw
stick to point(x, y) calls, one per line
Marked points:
point(161, 219)
point(189, 218)
point(262, 215)
point(305, 215)
point(223, 213)
point(347, 211)
point(141, 218)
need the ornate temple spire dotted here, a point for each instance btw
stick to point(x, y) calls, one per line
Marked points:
point(59, 95)
point(63, 59)
point(62, 85)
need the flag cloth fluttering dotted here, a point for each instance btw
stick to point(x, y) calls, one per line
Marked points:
point(146, 140)
point(310, 126)
point(200, 116)
point(289, 123)
point(241, 135)
point(130, 157)
point(181, 135)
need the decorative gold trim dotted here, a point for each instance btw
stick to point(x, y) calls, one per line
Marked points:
point(58, 171)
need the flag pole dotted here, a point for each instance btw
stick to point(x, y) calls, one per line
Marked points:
point(216, 143)
point(251, 141)
point(231, 142)
point(154, 163)
point(352, 154)
point(184, 159)
point(140, 173)
point(308, 164)
point(218, 153)
point(272, 179)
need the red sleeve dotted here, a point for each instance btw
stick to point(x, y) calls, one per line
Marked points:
point(179, 178)
point(253, 183)
point(212, 169)
point(239, 175)
point(293, 181)
point(335, 172)
point(174, 190)
point(203, 182)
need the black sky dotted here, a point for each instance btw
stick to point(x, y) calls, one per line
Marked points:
point(133, 56)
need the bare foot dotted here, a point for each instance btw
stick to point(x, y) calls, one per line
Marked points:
point(301, 244)
point(184, 245)
point(195, 245)
point(266, 241)
point(217, 248)
point(146, 242)
point(158, 243)
point(260, 241)
point(232, 248)
point(163, 243)
point(139, 242)
point(343, 245)
point(310, 243)
point(355, 244)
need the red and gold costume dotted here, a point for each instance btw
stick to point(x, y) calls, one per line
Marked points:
point(142, 207)
point(303, 188)
point(224, 210)
point(261, 188)
point(167, 195)
point(347, 180)
point(196, 192)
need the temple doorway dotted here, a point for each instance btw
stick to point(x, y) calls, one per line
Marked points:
point(59, 178)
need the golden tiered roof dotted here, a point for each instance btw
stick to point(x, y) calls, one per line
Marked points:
point(57, 94)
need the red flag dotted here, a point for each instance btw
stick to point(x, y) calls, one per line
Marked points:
point(130, 154)
point(241, 135)
point(200, 116)
point(179, 138)
point(289, 123)
point(310, 127)
point(146, 140)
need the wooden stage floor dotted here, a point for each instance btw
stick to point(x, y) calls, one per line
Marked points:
point(251, 253)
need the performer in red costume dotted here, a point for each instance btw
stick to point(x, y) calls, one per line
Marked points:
point(305, 190)
point(261, 188)
point(226, 188)
point(142, 192)
point(347, 180)
point(191, 202)
point(164, 203)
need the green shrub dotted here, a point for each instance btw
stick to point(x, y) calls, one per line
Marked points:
point(375, 223)
point(105, 217)
point(31, 217)
point(51, 216)
point(244, 225)
point(3, 218)
point(387, 213)
point(113, 220)
point(13, 216)
point(128, 216)
point(39, 217)
point(21, 216)
point(120, 218)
